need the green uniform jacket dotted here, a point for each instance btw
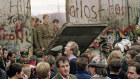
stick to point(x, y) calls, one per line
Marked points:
point(57, 76)
point(19, 61)
point(35, 41)
point(45, 35)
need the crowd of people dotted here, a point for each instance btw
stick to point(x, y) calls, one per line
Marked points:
point(107, 63)
point(118, 61)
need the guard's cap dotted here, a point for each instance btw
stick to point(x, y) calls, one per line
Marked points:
point(24, 53)
point(105, 46)
point(57, 48)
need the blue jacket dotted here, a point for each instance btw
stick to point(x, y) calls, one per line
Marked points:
point(82, 74)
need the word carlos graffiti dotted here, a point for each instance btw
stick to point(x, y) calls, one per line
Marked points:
point(83, 11)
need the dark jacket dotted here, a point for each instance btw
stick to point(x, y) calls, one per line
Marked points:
point(112, 76)
point(52, 74)
point(82, 74)
point(3, 74)
point(73, 66)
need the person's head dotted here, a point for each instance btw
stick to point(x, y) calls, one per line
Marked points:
point(86, 53)
point(114, 55)
point(63, 66)
point(82, 64)
point(105, 48)
point(117, 48)
point(27, 70)
point(50, 59)
point(37, 22)
point(137, 58)
point(130, 56)
point(71, 48)
point(57, 51)
point(46, 18)
point(133, 71)
point(35, 50)
point(55, 23)
point(12, 56)
point(15, 70)
point(33, 21)
point(136, 48)
point(24, 56)
point(5, 53)
point(40, 54)
point(115, 66)
point(43, 70)
point(98, 68)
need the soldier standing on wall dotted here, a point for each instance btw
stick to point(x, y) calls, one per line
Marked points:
point(34, 29)
point(56, 26)
point(45, 33)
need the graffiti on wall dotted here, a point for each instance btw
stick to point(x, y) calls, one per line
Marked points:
point(15, 30)
point(83, 11)
point(121, 23)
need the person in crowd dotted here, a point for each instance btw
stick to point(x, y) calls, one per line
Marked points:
point(98, 71)
point(117, 48)
point(34, 30)
point(82, 66)
point(35, 50)
point(97, 57)
point(105, 50)
point(37, 22)
point(136, 48)
point(27, 70)
point(2, 65)
point(130, 55)
point(5, 53)
point(137, 58)
point(45, 33)
point(124, 44)
point(57, 51)
point(23, 57)
point(12, 56)
point(43, 70)
point(16, 71)
point(51, 60)
point(32, 63)
point(71, 50)
point(114, 55)
point(3, 74)
point(85, 54)
point(56, 26)
point(40, 54)
point(115, 69)
point(133, 71)
point(63, 67)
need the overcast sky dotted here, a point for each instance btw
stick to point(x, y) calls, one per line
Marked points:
point(47, 6)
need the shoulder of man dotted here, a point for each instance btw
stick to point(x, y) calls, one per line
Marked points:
point(19, 61)
point(3, 74)
point(57, 76)
point(72, 76)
